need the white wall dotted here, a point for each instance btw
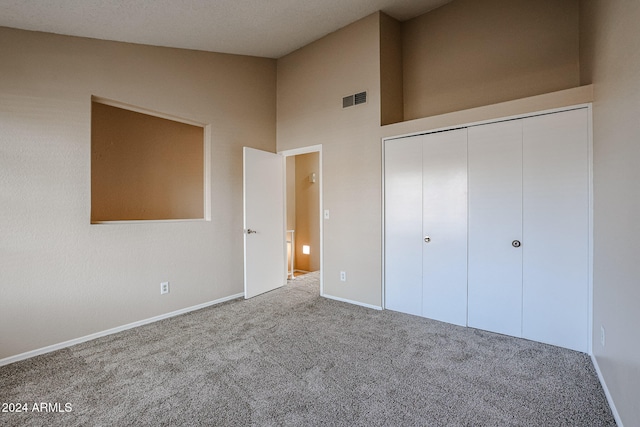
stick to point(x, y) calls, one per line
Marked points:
point(610, 59)
point(62, 278)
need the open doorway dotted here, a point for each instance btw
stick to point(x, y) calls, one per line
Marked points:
point(303, 211)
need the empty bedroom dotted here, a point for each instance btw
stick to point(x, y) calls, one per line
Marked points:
point(389, 212)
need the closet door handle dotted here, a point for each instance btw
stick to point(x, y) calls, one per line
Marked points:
point(516, 243)
point(427, 239)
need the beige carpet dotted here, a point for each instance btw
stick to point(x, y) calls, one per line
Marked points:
point(290, 357)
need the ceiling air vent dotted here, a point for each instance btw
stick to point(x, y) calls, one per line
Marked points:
point(357, 99)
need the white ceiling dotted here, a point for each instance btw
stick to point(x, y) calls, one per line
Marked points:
point(268, 28)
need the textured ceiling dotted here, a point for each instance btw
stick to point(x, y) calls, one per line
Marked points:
point(268, 28)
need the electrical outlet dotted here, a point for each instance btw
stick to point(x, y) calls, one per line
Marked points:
point(343, 276)
point(164, 288)
point(602, 341)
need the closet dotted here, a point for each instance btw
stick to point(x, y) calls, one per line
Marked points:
point(488, 226)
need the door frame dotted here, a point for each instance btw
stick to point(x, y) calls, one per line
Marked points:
point(307, 150)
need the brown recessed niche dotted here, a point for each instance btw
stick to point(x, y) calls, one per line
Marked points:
point(145, 166)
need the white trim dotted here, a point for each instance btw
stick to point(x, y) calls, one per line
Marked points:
point(54, 347)
point(306, 150)
point(302, 150)
point(383, 269)
point(612, 405)
point(488, 121)
point(136, 109)
point(207, 172)
point(147, 221)
point(244, 222)
point(361, 304)
point(590, 237)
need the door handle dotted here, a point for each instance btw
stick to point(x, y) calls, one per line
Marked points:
point(516, 243)
point(427, 239)
point(250, 231)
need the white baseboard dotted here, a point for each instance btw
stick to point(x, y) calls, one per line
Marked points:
point(375, 307)
point(606, 392)
point(90, 337)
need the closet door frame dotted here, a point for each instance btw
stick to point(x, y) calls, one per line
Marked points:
point(423, 131)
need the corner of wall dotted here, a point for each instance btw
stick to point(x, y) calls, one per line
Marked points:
point(605, 388)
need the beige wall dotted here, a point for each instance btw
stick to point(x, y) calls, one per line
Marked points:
point(311, 84)
point(531, 104)
point(291, 192)
point(337, 65)
point(307, 211)
point(63, 278)
point(144, 167)
point(470, 53)
point(290, 188)
point(391, 86)
point(611, 60)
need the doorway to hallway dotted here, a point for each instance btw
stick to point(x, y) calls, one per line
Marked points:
point(303, 195)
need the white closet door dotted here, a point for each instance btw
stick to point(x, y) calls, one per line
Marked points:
point(556, 229)
point(444, 260)
point(403, 225)
point(495, 221)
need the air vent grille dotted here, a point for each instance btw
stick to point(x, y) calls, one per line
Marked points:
point(356, 99)
point(360, 98)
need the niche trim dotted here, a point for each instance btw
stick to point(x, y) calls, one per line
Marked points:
point(147, 166)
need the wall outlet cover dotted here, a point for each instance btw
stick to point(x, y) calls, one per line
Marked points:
point(164, 288)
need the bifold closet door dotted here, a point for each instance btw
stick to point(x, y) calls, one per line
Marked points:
point(444, 226)
point(556, 229)
point(426, 226)
point(403, 225)
point(495, 227)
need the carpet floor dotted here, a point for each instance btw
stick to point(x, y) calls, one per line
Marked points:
point(290, 357)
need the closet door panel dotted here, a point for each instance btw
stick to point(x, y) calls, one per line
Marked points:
point(495, 221)
point(445, 223)
point(403, 225)
point(556, 229)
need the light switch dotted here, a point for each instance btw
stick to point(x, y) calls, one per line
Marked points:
point(326, 214)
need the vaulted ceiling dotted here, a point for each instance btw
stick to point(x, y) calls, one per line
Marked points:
point(267, 28)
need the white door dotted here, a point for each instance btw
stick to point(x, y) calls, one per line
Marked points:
point(495, 227)
point(444, 219)
point(403, 225)
point(426, 226)
point(264, 232)
point(556, 229)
